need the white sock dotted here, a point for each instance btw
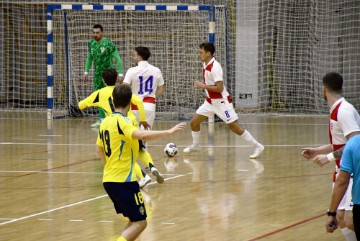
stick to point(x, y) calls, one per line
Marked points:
point(249, 138)
point(349, 234)
point(196, 137)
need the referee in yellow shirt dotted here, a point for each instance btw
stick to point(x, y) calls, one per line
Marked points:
point(117, 146)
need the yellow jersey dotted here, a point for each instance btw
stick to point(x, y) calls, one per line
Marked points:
point(120, 149)
point(103, 98)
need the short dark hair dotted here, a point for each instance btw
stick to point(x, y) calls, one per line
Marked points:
point(208, 47)
point(143, 52)
point(110, 77)
point(99, 26)
point(121, 95)
point(333, 82)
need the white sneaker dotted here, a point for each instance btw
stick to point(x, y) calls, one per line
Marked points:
point(144, 181)
point(192, 148)
point(96, 124)
point(257, 152)
point(157, 174)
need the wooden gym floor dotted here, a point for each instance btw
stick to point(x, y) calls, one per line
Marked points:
point(50, 183)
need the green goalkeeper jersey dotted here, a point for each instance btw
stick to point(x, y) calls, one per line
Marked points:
point(101, 53)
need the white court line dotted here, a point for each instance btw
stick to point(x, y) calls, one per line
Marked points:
point(33, 139)
point(166, 223)
point(69, 205)
point(47, 172)
point(51, 172)
point(76, 220)
point(240, 146)
point(49, 135)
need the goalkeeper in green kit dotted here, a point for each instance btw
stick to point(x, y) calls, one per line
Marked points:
point(101, 52)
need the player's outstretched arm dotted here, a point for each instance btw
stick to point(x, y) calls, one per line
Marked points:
point(311, 152)
point(151, 135)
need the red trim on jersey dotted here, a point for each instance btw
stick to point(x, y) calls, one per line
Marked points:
point(210, 66)
point(149, 100)
point(134, 107)
point(212, 94)
point(145, 100)
point(229, 99)
point(215, 95)
point(337, 147)
point(334, 117)
point(334, 113)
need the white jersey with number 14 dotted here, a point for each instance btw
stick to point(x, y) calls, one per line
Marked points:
point(144, 80)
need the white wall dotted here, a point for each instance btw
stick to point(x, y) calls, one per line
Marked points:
point(246, 68)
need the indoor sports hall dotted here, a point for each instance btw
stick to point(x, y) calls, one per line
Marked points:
point(273, 54)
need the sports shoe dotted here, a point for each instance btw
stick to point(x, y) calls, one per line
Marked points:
point(157, 174)
point(192, 148)
point(144, 181)
point(257, 152)
point(96, 124)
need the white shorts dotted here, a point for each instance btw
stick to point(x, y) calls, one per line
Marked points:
point(150, 117)
point(221, 107)
point(346, 203)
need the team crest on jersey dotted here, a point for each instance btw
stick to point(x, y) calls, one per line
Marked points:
point(102, 49)
point(142, 210)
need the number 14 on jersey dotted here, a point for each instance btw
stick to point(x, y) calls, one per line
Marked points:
point(145, 85)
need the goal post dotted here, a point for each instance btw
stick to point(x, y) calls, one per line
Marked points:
point(172, 33)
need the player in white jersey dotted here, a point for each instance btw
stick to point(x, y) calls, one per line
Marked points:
point(344, 123)
point(218, 101)
point(146, 81)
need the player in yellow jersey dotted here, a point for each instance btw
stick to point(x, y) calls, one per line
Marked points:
point(103, 99)
point(117, 146)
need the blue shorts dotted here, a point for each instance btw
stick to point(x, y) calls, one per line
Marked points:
point(127, 199)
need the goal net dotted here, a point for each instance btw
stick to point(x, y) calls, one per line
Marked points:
point(172, 33)
point(274, 53)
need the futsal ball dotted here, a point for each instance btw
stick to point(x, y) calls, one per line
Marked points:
point(170, 149)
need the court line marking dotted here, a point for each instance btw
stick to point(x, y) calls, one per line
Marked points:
point(50, 172)
point(46, 172)
point(50, 135)
point(287, 227)
point(167, 223)
point(29, 138)
point(217, 146)
point(69, 205)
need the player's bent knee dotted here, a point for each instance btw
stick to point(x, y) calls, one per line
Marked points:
point(144, 224)
point(141, 224)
